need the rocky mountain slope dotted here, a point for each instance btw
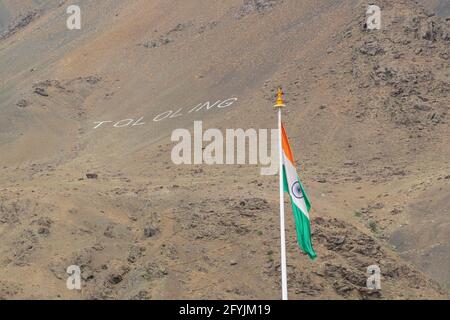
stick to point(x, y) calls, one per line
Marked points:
point(367, 116)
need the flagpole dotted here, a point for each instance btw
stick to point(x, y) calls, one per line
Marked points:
point(284, 293)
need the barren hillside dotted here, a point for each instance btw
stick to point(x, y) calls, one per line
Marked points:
point(367, 115)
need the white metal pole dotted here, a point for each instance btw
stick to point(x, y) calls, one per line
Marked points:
point(282, 231)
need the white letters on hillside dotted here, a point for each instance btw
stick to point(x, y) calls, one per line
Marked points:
point(166, 115)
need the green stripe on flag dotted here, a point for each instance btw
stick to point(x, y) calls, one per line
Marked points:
point(302, 223)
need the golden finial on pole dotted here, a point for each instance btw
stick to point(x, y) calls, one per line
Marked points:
point(280, 101)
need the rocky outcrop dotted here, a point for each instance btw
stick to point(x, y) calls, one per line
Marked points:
point(21, 23)
point(256, 6)
point(412, 95)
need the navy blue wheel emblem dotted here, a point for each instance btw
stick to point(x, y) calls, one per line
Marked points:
point(296, 190)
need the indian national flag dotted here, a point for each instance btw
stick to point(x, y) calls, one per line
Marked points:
point(299, 198)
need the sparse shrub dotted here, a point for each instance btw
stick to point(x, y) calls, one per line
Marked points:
point(373, 226)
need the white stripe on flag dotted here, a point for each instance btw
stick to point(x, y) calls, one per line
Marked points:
point(292, 178)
